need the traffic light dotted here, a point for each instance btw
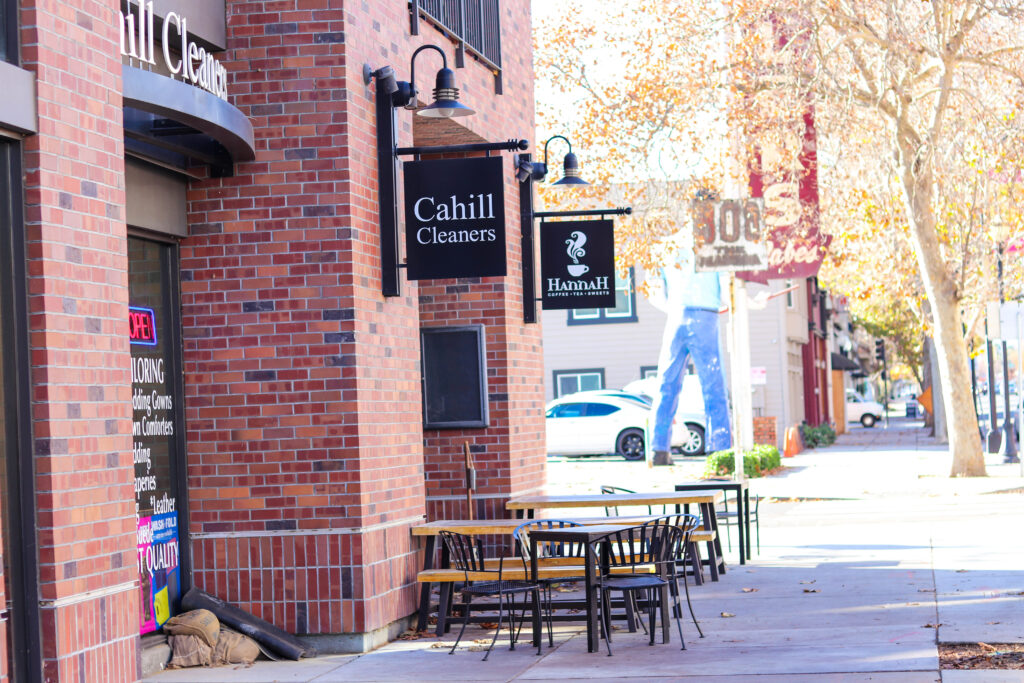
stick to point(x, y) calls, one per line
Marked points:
point(880, 349)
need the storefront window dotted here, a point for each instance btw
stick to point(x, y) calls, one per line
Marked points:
point(155, 427)
point(7, 24)
point(3, 30)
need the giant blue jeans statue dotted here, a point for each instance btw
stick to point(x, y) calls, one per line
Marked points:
point(696, 335)
point(691, 301)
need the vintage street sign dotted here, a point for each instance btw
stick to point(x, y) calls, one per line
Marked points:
point(728, 235)
point(455, 218)
point(577, 264)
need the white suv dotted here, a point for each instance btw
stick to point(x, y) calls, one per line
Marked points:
point(859, 409)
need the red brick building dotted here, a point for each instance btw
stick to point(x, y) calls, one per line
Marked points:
point(203, 382)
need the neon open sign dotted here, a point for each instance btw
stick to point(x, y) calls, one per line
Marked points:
point(141, 325)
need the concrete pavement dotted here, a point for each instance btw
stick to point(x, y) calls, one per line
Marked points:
point(874, 557)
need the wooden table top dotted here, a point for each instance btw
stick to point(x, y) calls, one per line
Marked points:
point(507, 526)
point(613, 499)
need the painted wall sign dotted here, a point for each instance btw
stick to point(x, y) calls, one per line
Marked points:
point(455, 218)
point(141, 325)
point(728, 235)
point(194, 64)
point(795, 244)
point(577, 264)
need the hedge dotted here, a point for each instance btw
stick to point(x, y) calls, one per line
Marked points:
point(756, 461)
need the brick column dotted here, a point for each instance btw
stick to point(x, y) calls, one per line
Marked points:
point(303, 407)
point(302, 381)
point(78, 309)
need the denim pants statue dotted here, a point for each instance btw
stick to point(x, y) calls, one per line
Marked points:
point(696, 336)
point(691, 301)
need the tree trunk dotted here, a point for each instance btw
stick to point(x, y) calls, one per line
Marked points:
point(950, 345)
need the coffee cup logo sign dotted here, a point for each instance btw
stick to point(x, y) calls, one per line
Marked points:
point(196, 65)
point(576, 252)
point(455, 218)
point(574, 276)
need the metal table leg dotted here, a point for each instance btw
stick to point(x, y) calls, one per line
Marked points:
point(428, 563)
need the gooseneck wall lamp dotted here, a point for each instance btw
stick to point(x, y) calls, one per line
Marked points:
point(390, 94)
point(403, 93)
point(538, 170)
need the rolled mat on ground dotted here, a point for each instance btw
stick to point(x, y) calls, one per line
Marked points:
point(263, 632)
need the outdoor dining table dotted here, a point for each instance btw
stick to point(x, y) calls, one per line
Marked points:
point(706, 500)
point(430, 531)
point(742, 491)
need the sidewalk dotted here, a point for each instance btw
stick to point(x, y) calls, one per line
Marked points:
point(860, 586)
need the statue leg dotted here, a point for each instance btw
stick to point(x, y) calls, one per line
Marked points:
point(671, 374)
point(703, 344)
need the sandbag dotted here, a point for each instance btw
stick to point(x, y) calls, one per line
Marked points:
point(234, 648)
point(263, 632)
point(198, 622)
point(189, 650)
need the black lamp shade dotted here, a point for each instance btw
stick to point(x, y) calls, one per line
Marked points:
point(571, 168)
point(446, 103)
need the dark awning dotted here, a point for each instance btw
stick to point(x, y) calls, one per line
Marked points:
point(185, 120)
point(840, 362)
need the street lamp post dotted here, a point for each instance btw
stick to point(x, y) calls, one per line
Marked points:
point(1009, 437)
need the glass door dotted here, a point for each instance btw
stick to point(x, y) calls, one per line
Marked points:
point(157, 427)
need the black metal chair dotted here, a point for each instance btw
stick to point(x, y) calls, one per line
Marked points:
point(628, 550)
point(467, 555)
point(686, 524)
point(521, 534)
point(613, 510)
point(729, 518)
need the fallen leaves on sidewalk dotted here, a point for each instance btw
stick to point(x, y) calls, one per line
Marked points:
point(749, 590)
point(811, 581)
point(413, 634)
point(981, 656)
point(728, 614)
point(812, 590)
point(931, 625)
point(925, 590)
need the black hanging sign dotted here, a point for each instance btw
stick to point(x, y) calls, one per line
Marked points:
point(577, 264)
point(455, 218)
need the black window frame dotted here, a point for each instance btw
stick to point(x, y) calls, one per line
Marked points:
point(556, 374)
point(644, 369)
point(603, 318)
point(25, 662)
point(483, 420)
point(9, 31)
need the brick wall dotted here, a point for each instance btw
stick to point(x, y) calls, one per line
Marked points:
point(81, 385)
point(765, 431)
point(306, 450)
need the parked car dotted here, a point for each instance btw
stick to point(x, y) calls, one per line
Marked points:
point(589, 423)
point(859, 409)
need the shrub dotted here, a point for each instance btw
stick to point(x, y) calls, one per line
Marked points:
point(756, 461)
point(822, 435)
